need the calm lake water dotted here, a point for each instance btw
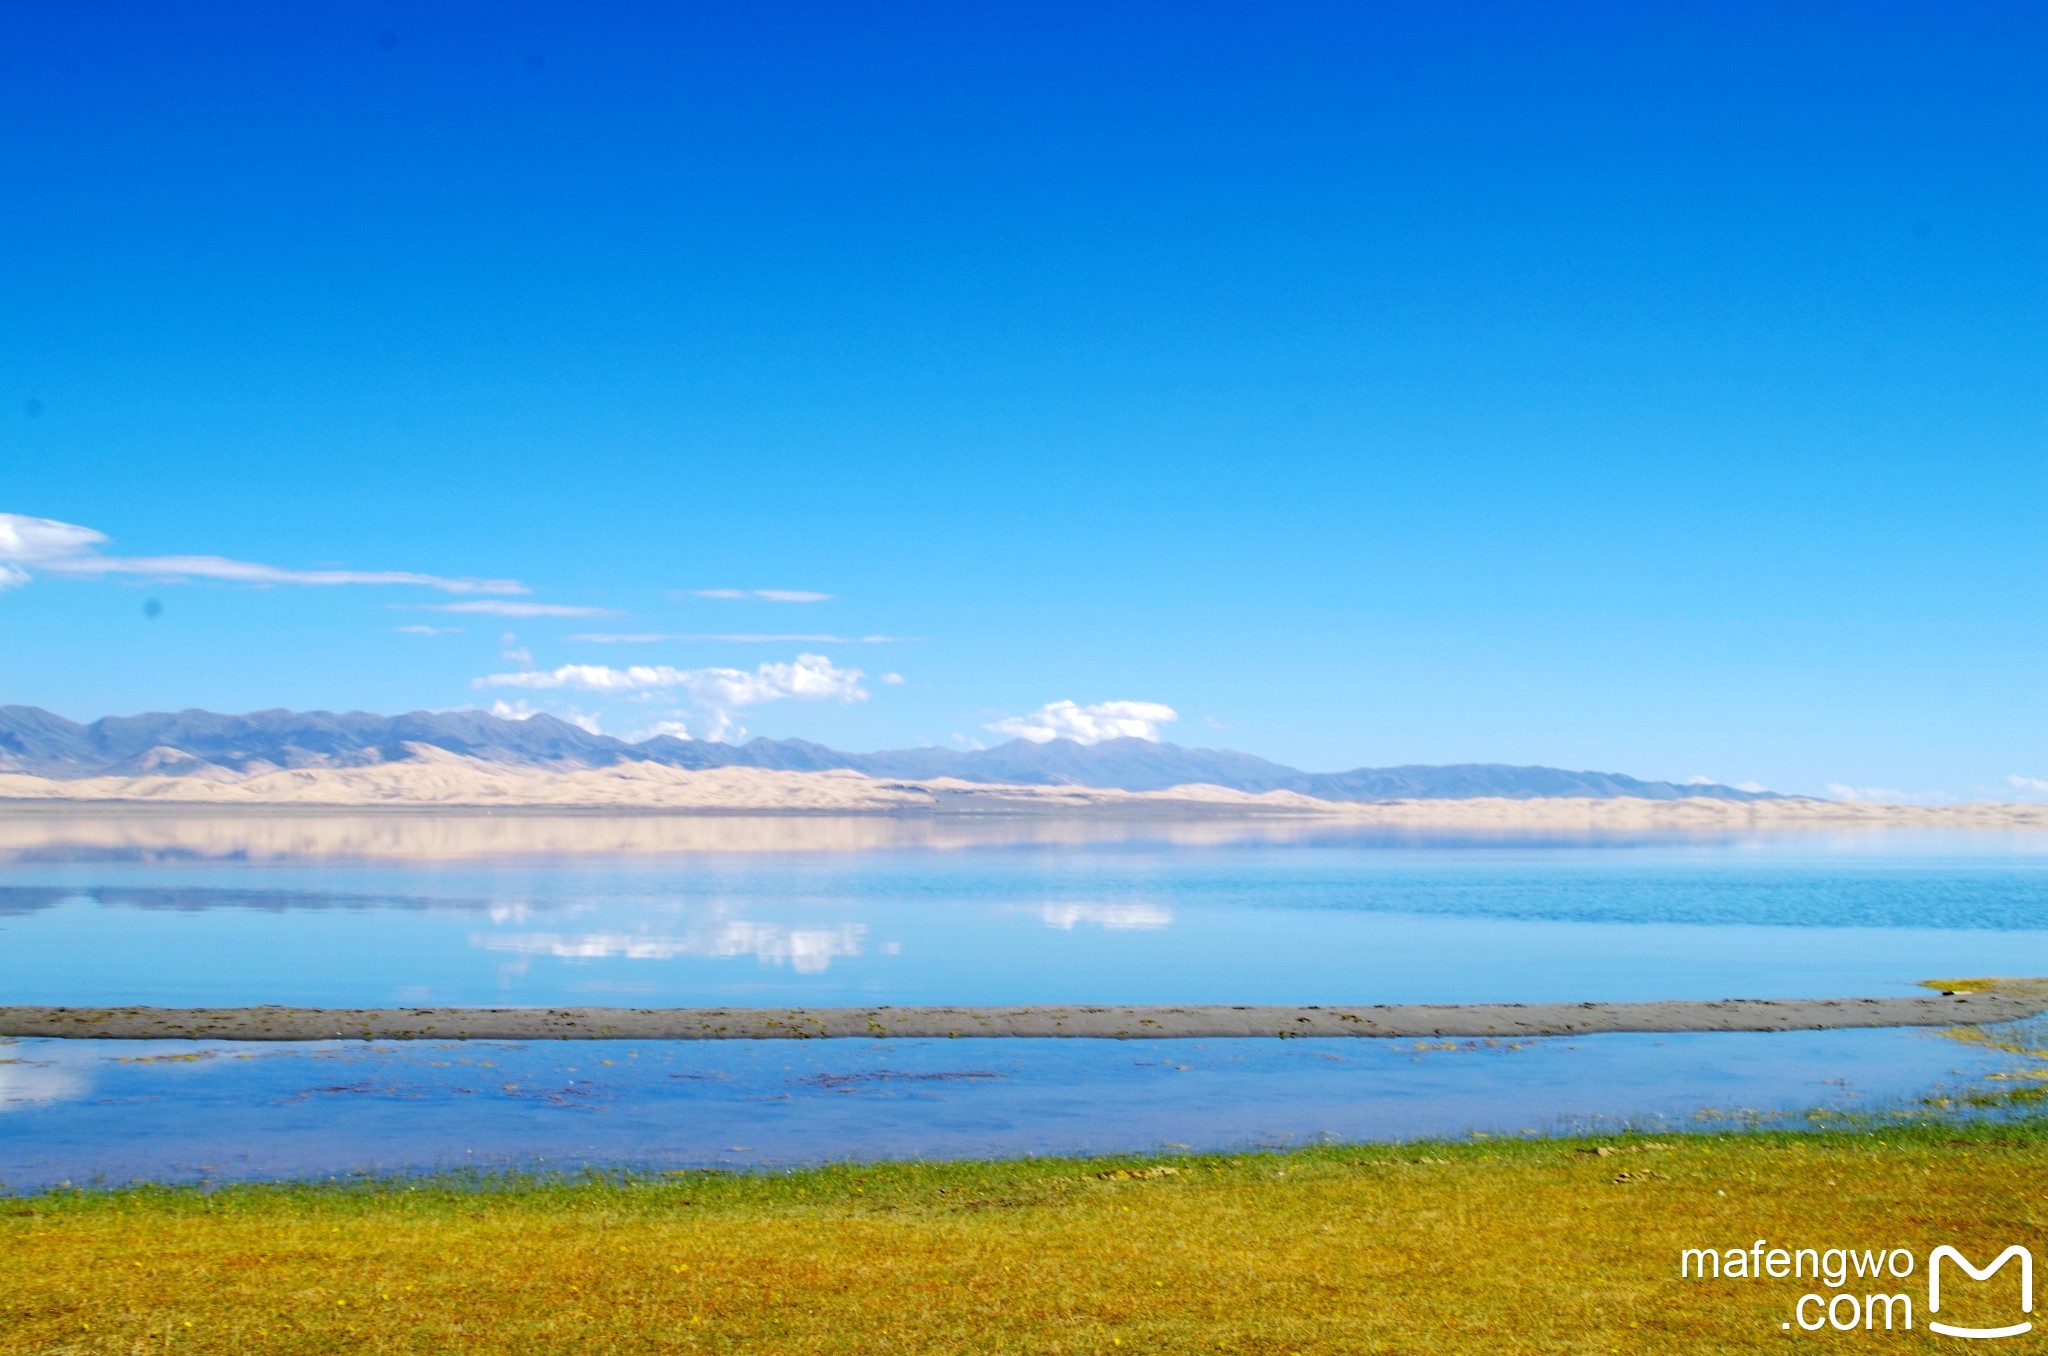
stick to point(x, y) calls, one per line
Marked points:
point(363, 910)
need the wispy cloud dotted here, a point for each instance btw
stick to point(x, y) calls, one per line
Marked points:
point(810, 677)
point(491, 607)
point(2028, 786)
point(30, 546)
point(758, 595)
point(1087, 724)
point(731, 637)
point(428, 630)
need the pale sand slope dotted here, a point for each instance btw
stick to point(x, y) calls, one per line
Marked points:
point(435, 779)
point(1114, 1022)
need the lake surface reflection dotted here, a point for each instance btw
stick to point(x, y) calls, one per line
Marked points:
point(370, 910)
point(904, 911)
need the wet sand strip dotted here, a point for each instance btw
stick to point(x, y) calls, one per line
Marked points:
point(1101, 1022)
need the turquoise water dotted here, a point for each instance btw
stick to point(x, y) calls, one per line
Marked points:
point(1141, 915)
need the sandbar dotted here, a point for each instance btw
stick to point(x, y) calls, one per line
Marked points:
point(1111, 1022)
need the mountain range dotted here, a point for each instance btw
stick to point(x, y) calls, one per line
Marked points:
point(40, 743)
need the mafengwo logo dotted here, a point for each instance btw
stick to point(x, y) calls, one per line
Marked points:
point(1873, 1289)
point(2015, 1253)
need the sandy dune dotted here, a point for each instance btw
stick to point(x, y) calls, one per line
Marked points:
point(434, 779)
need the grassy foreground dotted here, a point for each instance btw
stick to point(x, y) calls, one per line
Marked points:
point(1554, 1245)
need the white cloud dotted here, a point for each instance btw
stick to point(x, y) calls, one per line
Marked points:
point(965, 742)
point(1697, 780)
point(522, 710)
point(893, 679)
point(1087, 724)
point(810, 677)
point(729, 637)
point(428, 630)
point(1885, 795)
point(32, 540)
point(763, 595)
point(492, 608)
point(12, 576)
point(510, 648)
point(45, 545)
point(674, 729)
point(721, 728)
point(589, 678)
point(2029, 786)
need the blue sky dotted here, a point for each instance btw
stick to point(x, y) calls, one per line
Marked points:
point(1647, 388)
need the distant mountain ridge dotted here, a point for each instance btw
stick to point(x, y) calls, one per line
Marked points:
point(187, 742)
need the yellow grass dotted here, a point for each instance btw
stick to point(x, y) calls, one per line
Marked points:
point(1546, 1246)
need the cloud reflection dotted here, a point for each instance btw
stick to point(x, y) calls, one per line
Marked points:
point(1111, 917)
point(26, 1083)
point(808, 951)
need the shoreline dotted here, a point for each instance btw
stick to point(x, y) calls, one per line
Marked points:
point(1071, 1021)
point(952, 808)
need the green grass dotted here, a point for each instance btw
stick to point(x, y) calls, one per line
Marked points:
point(1524, 1246)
